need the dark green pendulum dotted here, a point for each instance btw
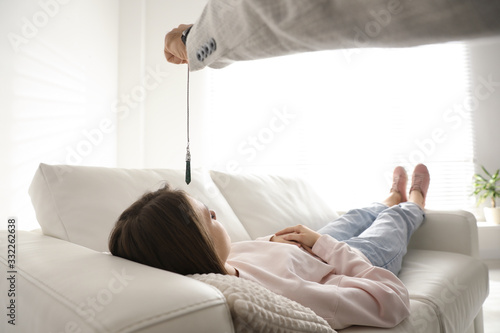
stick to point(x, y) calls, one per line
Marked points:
point(188, 153)
point(188, 166)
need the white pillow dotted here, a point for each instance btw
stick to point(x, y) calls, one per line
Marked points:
point(255, 308)
point(266, 204)
point(81, 204)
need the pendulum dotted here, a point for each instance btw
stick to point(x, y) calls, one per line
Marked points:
point(188, 153)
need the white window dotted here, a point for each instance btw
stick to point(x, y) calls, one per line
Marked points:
point(344, 119)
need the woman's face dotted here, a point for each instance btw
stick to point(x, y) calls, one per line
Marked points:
point(216, 231)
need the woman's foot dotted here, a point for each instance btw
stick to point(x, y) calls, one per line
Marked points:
point(419, 185)
point(398, 189)
point(399, 180)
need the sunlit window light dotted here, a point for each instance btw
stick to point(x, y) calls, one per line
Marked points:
point(343, 120)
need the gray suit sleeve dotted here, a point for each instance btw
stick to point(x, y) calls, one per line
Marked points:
point(235, 30)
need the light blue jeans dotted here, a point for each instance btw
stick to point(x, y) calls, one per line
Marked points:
point(381, 233)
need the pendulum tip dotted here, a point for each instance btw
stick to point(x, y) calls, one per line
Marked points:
point(188, 172)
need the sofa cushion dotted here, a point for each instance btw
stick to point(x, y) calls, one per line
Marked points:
point(257, 309)
point(453, 285)
point(81, 204)
point(422, 319)
point(266, 204)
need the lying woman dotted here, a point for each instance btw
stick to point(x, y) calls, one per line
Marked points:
point(345, 272)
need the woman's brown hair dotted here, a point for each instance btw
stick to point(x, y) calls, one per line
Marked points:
point(163, 230)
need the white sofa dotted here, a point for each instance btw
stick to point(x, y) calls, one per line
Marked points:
point(66, 282)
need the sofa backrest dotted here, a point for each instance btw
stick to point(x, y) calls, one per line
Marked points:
point(81, 204)
point(266, 203)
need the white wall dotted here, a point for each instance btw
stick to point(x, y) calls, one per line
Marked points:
point(485, 75)
point(485, 67)
point(59, 69)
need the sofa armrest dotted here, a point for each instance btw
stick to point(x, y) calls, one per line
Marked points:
point(63, 287)
point(451, 231)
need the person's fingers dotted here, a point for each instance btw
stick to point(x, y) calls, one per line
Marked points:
point(295, 237)
point(288, 230)
point(175, 60)
point(280, 239)
point(300, 234)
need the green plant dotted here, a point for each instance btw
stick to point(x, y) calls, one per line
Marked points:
point(486, 187)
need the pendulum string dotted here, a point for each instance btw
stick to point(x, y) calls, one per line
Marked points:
point(188, 153)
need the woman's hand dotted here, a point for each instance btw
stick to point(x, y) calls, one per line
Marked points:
point(175, 50)
point(299, 234)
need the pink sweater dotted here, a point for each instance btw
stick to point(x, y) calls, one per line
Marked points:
point(340, 284)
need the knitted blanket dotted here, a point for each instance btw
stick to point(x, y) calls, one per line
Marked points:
point(254, 308)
